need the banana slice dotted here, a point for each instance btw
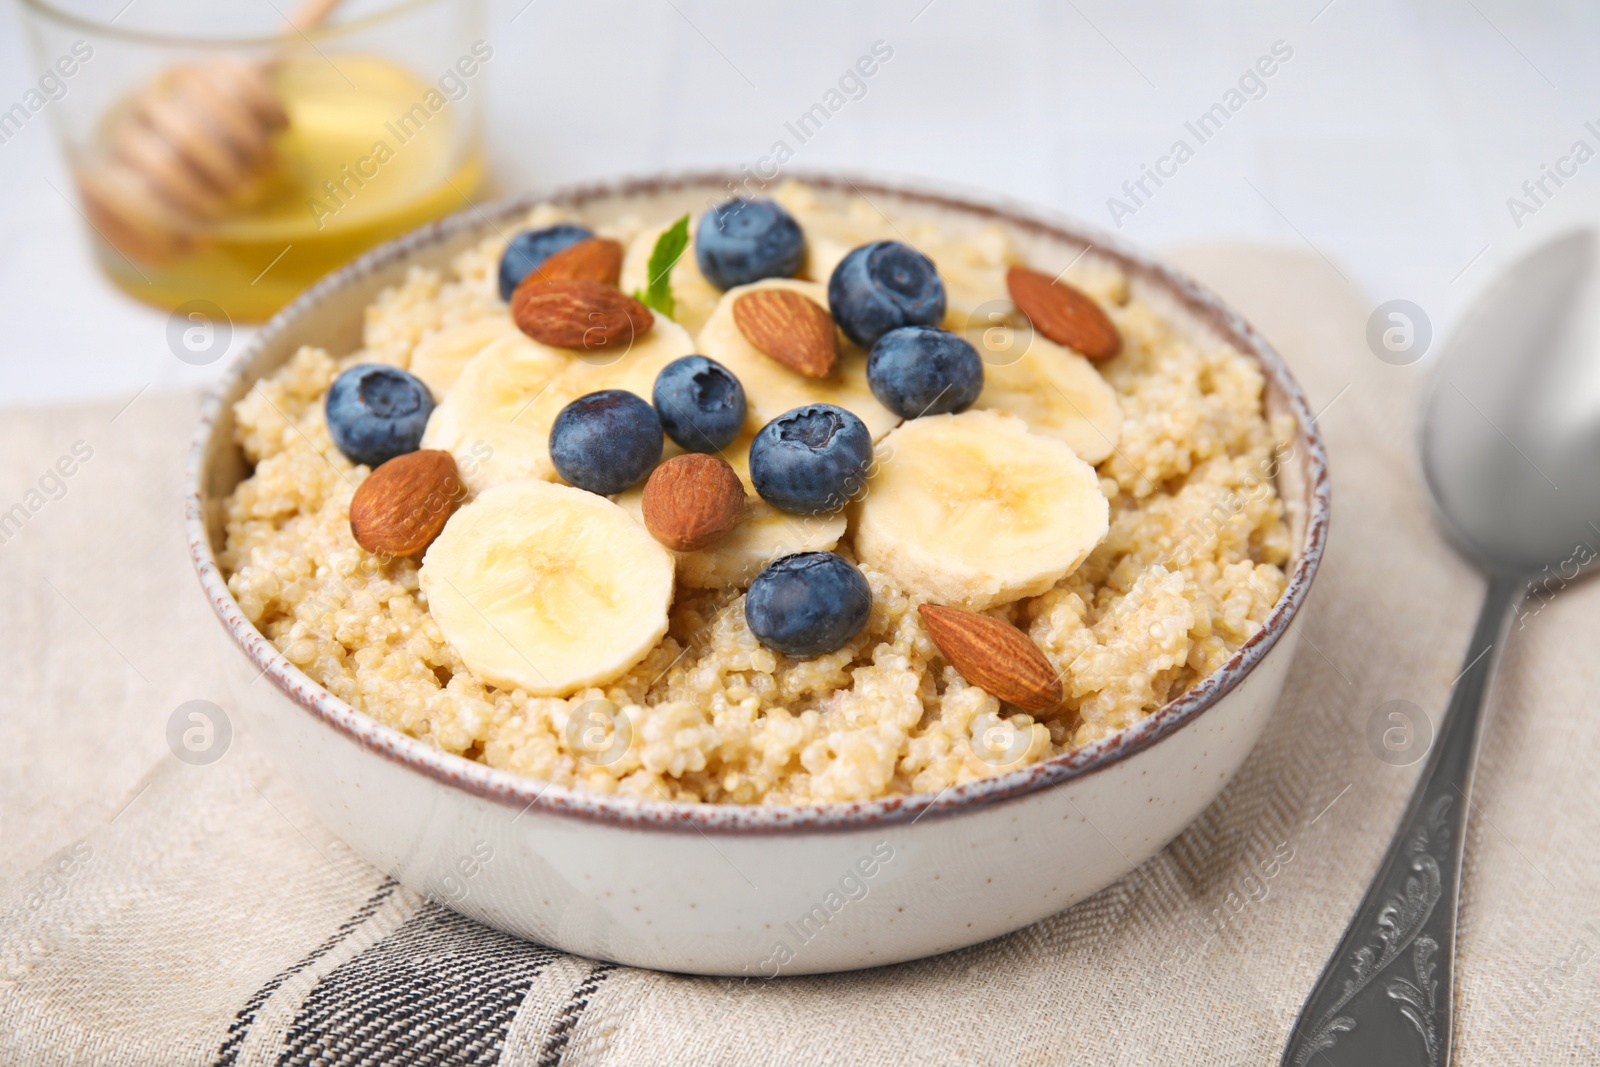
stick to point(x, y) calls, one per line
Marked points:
point(974, 510)
point(695, 297)
point(1101, 279)
point(547, 588)
point(1057, 393)
point(770, 388)
point(973, 267)
point(832, 231)
point(636, 371)
point(439, 359)
point(509, 394)
point(764, 533)
point(483, 420)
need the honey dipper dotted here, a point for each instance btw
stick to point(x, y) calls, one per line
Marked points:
point(190, 145)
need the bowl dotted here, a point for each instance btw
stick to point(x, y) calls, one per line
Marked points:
point(751, 891)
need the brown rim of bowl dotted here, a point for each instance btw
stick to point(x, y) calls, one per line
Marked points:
point(521, 792)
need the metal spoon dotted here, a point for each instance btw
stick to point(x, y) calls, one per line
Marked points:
point(1511, 454)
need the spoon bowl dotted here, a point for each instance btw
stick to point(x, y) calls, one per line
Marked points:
point(1511, 457)
point(1511, 432)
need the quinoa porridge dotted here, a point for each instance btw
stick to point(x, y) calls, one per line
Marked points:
point(1177, 568)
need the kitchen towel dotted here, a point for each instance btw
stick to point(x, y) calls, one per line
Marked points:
point(153, 911)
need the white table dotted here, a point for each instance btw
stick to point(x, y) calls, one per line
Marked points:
point(1389, 141)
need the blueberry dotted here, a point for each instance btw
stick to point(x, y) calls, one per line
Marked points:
point(923, 370)
point(376, 412)
point(605, 442)
point(530, 248)
point(808, 603)
point(811, 460)
point(880, 286)
point(743, 241)
point(700, 402)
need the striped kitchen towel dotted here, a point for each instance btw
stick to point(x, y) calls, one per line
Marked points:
point(157, 912)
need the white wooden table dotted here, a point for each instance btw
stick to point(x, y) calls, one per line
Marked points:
point(1389, 140)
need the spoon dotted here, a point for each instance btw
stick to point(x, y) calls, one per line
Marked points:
point(1511, 455)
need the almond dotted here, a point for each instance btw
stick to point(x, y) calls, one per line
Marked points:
point(599, 259)
point(579, 313)
point(1065, 315)
point(995, 656)
point(692, 500)
point(791, 328)
point(403, 505)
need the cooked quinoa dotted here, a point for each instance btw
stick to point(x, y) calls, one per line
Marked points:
point(1189, 570)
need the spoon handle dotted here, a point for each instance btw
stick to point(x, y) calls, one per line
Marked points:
point(1384, 999)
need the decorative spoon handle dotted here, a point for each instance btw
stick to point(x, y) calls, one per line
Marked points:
point(1384, 1000)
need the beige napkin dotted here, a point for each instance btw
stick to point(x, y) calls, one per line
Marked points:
point(152, 911)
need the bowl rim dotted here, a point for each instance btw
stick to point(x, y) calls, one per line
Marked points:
point(513, 790)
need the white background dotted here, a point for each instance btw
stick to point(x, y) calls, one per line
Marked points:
point(1389, 143)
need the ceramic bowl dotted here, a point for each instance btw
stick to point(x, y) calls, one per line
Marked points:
point(728, 889)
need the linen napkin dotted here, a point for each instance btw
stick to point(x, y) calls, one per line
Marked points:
point(153, 911)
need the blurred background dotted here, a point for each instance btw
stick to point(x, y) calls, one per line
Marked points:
point(1414, 146)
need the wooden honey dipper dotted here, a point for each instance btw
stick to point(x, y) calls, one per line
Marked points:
point(191, 145)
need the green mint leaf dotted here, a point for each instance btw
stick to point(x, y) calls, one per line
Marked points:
point(663, 257)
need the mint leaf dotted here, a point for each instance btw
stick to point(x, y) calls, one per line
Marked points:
point(663, 257)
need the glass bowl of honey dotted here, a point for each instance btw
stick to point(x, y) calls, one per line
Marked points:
point(232, 154)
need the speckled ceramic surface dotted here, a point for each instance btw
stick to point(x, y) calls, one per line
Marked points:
point(727, 889)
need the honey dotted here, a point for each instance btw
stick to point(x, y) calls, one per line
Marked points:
point(371, 151)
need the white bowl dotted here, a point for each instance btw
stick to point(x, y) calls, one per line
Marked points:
point(740, 890)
